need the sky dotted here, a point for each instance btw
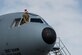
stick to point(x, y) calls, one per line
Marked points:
point(65, 16)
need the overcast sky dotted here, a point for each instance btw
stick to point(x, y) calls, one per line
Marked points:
point(65, 16)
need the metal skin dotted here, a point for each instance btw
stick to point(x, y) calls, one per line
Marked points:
point(25, 39)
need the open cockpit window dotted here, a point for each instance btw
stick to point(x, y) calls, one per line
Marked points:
point(17, 22)
point(38, 20)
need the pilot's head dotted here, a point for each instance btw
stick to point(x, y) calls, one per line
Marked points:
point(25, 10)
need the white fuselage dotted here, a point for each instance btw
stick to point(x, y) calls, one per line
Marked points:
point(25, 39)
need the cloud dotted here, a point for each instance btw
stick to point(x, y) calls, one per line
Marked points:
point(63, 15)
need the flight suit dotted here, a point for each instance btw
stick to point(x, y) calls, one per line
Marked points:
point(25, 17)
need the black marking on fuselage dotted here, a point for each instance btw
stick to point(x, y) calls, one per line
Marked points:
point(14, 51)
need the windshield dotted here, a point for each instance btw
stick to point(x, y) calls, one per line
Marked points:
point(38, 20)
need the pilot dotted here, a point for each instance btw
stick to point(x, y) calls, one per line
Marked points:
point(25, 16)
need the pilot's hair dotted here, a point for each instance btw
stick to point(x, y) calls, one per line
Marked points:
point(25, 10)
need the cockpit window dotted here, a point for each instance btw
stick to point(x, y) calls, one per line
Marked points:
point(15, 22)
point(45, 22)
point(38, 20)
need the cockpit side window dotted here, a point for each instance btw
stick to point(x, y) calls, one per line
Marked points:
point(15, 22)
point(37, 20)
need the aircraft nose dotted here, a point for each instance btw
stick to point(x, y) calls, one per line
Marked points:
point(49, 35)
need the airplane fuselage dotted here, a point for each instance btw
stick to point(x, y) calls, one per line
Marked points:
point(25, 39)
